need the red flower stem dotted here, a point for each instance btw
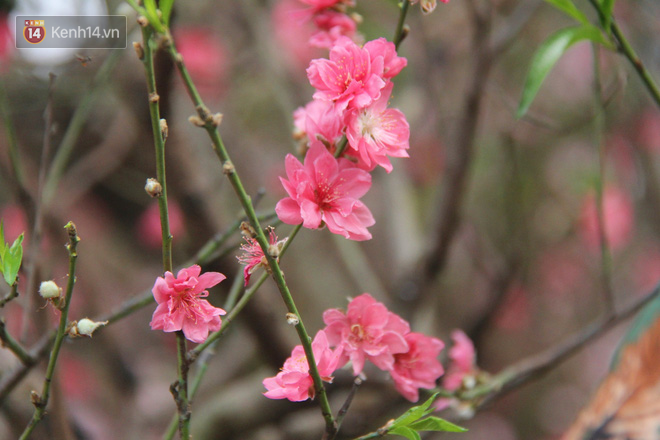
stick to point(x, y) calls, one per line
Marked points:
point(180, 388)
point(230, 171)
point(41, 401)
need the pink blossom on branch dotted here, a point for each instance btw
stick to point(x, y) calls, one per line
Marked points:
point(462, 358)
point(180, 303)
point(418, 367)
point(350, 77)
point(253, 256)
point(318, 120)
point(294, 382)
point(376, 132)
point(331, 25)
point(366, 331)
point(325, 190)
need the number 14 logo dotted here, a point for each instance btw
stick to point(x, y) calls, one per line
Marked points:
point(34, 31)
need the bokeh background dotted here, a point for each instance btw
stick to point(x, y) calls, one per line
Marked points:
point(489, 226)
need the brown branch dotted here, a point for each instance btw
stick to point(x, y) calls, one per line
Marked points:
point(535, 367)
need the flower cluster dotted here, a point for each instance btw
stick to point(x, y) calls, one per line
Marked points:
point(365, 331)
point(181, 305)
point(349, 115)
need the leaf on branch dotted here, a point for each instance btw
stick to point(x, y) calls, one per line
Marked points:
point(10, 257)
point(549, 53)
point(569, 8)
point(415, 420)
point(627, 403)
point(166, 10)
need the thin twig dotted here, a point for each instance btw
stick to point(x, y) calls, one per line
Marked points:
point(8, 341)
point(536, 366)
point(41, 401)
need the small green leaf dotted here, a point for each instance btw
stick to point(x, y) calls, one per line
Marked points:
point(11, 260)
point(152, 15)
point(433, 423)
point(406, 432)
point(547, 56)
point(166, 10)
point(415, 413)
point(570, 9)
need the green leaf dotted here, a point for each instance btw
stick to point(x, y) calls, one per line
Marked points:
point(415, 413)
point(11, 260)
point(567, 7)
point(3, 246)
point(606, 8)
point(406, 432)
point(152, 15)
point(549, 53)
point(435, 424)
point(166, 10)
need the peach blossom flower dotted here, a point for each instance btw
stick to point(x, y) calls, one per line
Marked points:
point(462, 359)
point(180, 303)
point(325, 190)
point(376, 132)
point(418, 367)
point(366, 331)
point(294, 382)
point(350, 77)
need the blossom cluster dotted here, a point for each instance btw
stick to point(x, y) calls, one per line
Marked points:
point(329, 20)
point(348, 116)
point(366, 331)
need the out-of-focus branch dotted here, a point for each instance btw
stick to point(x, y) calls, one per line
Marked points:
point(537, 366)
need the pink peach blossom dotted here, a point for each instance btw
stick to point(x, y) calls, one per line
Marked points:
point(617, 217)
point(326, 191)
point(253, 256)
point(318, 120)
point(349, 77)
point(418, 367)
point(392, 63)
point(366, 331)
point(462, 360)
point(331, 25)
point(180, 303)
point(376, 132)
point(294, 382)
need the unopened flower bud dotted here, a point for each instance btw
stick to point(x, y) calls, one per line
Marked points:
point(164, 129)
point(217, 119)
point(50, 290)
point(196, 121)
point(142, 21)
point(153, 188)
point(139, 50)
point(292, 319)
point(85, 327)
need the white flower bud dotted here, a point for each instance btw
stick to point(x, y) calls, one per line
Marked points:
point(49, 290)
point(153, 188)
point(85, 327)
point(292, 319)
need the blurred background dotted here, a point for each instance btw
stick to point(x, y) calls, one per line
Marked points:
point(490, 225)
